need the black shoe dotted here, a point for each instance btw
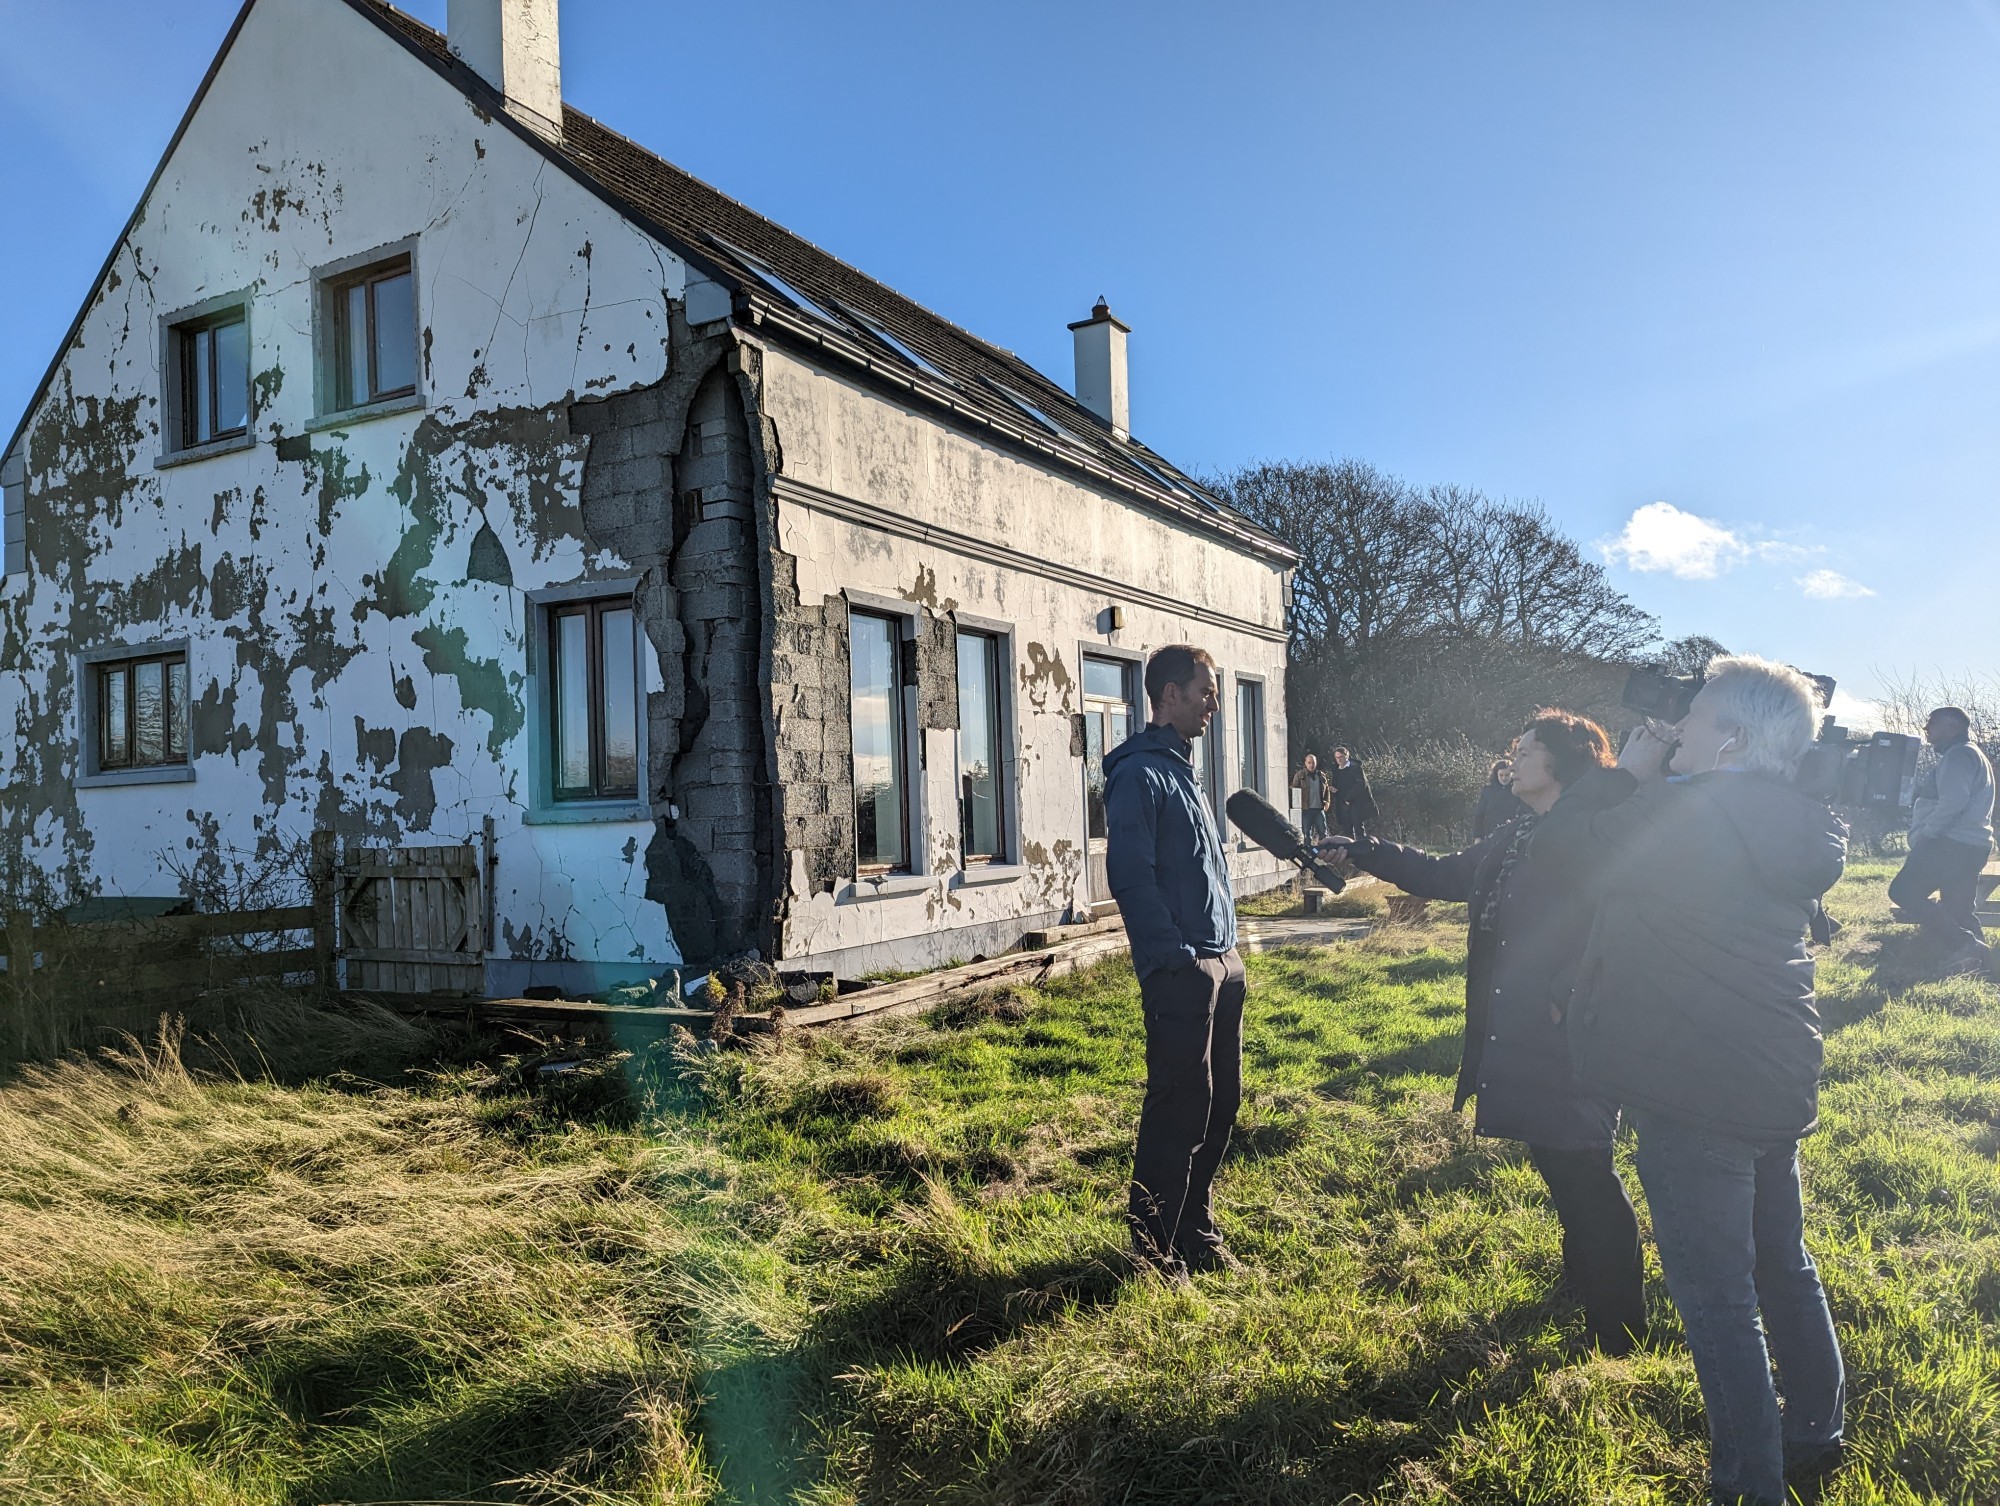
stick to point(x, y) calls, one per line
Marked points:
point(1210, 1256)
point(1807, 1478)
point(1166, 1264)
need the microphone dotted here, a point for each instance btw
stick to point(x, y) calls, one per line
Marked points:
point(1264, 824)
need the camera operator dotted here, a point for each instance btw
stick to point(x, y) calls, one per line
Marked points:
point(1694, 1008)
point(1951, 836)
point(1528, 918)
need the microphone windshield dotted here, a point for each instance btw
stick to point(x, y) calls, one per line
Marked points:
point(1264, 824)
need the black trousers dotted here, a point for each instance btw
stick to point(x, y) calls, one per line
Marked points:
point(1194, 1085)
point(1601, 1258)
point(1950, 870)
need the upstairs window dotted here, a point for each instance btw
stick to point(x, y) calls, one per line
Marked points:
point(373, 318)
point(142, 712)
point(594, 700)
point(212, 368)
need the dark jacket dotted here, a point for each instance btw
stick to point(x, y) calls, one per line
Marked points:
point(1352, 799)
point(1695, 998)
point(1497, 804)
point(1518, 975)
point(1163, 859)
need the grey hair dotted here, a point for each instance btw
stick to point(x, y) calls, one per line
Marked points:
point(1771, 703)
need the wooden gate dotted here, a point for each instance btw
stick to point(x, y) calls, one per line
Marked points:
point(415, 920)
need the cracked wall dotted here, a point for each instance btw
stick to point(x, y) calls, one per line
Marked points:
point(877, 499)
point(359, 629)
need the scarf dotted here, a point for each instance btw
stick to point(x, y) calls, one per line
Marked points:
point(1517, 846)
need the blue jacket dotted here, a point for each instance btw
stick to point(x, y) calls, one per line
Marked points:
point(1164, 859)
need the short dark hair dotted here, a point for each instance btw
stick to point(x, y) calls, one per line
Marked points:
point(1173, 665)
point(1957, 714)
point(1348, 751)
point(1576, 744)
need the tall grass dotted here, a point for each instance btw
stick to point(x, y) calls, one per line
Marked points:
point(888, 1266)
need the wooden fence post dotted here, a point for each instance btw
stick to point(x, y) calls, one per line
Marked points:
point(22, 993)
point(325, 941)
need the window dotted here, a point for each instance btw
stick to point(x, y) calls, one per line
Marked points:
point(880, 778)
point(981, 728)
point(212, 376)
point(142, 712)
point(1250, 735)
point(372, 332)
point(594, 700)
point(1107, 722)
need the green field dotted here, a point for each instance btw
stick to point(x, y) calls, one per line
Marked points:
point(887, 1265)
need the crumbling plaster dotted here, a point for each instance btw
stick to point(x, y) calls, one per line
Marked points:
point(880, 502)
point(359, 636)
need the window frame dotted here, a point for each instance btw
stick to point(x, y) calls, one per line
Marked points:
point(908, 761)
point(544, 808)
point(592, 610)
point(999, 640)
point(330, 285)
point(177, 332)
point(1260, 736)
point(92, 665)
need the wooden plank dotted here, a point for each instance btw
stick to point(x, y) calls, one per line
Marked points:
point(380, 868)
point(402, 928)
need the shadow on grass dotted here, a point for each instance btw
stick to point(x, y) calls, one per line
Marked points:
point(1350, 1432)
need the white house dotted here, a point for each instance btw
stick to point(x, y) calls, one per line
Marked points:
point(427, 453)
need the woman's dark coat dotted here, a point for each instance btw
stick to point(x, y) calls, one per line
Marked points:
point(1695, 996)
point(1353, 801)
point(1518, 975)
point(1497, 804)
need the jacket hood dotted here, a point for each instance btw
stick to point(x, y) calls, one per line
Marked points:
point(1149, 742)
point(1797, 844)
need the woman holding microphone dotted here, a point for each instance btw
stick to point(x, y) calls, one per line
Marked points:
point(1529, 918)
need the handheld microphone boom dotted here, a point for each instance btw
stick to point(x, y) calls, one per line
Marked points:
point(1264, 824)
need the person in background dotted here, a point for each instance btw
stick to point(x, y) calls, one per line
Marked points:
point(1168, 873)
point(1694, 1009)
point(1353, 801)
point(1951, 836)
point(1529, 917)
point(1498, 804)
point(1315, 798)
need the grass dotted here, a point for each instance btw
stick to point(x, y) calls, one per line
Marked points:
point(887, 1265)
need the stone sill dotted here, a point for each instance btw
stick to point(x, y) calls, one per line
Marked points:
point(888, 886)
point(583, 814)
point(168, 459)
point(178, 773)
point(348, 417)
point(990, 873)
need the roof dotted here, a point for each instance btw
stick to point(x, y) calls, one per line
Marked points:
point(804, 295)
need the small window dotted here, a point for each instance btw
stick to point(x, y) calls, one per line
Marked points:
point(212, 372)
point(981, 815)
point(881, 794)
point(594, 700)
point(142, 712)
point(1250, 735)
point(373, 334)
point(1205, 752)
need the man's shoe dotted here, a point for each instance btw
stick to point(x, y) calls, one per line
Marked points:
point(1975, 958)
point(1210, 1256)
point(1807, 1478)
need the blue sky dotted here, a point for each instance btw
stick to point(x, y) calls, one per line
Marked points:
point(1718, 281)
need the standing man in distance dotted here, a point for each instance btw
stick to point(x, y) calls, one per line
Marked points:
point(1951, 836)
point(1353, 800)
point(1315, 798)
point(1167, 871)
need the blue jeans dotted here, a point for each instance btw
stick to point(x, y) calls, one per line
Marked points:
point(1315, 825)
point(1730, 1224)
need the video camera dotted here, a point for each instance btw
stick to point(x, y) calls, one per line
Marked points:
point(1666, 698)
point(1840, 769)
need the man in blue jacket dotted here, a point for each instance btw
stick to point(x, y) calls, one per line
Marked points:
point(1951, 836)
point(1168, 874)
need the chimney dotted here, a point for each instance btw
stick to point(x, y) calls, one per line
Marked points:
point(1100, 368)
point(513, 45)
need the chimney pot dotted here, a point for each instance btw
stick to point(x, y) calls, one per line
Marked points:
point(1101, 384)
point(516, 47)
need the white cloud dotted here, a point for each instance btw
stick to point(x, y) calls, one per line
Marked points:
point(1831, 585)
point(1659, 536)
